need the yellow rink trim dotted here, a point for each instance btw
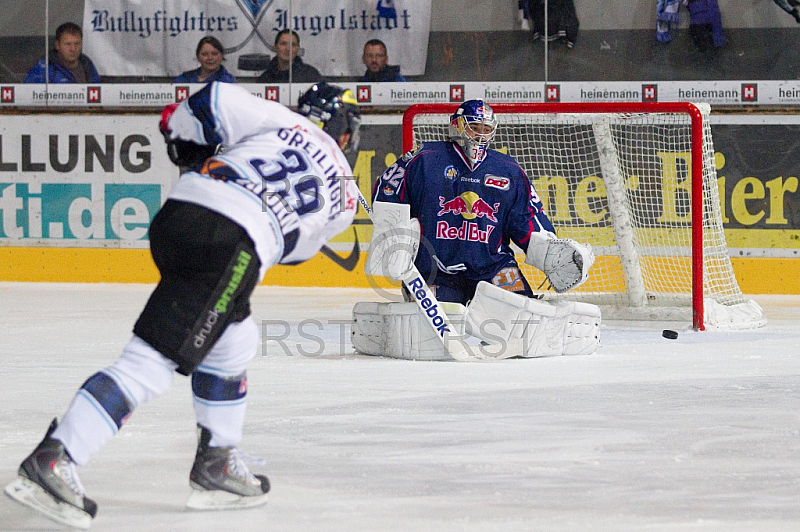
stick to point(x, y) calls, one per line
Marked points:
point(94, 265)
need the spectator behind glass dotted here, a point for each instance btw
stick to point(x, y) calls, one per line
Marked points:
point(287, 45)
point(209, 54)
point(376, 58)
point(66, 62)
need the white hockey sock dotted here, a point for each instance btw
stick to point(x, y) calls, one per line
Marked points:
point(108, 397)
point(219, 384)
point(219, 403)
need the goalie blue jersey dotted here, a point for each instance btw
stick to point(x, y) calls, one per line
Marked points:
point(469, 217)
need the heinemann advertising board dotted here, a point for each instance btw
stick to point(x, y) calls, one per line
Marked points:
point(77, 194)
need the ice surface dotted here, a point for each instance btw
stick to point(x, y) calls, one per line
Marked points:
point(698, 433)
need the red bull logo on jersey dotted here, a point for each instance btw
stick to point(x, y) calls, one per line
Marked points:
point(468, 231)
point(469, 205)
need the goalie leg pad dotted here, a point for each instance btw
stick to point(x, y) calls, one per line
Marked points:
point(398, 330)
point(543, 328)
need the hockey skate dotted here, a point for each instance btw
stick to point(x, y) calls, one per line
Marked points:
point(221, 480)
point(49, 483)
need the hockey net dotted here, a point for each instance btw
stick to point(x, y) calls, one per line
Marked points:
point(619, 176)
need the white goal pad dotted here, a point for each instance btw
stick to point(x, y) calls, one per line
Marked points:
point(513, 325)
point(537, 328)
point(399, 330)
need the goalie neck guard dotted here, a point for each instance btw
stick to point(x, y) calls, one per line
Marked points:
point(333, 109)
point(472, 127)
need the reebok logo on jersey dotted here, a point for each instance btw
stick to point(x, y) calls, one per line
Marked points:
point(417, 288)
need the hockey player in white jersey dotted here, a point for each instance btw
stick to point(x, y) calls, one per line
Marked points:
point(264, 186)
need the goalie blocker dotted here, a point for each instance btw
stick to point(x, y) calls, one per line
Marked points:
point(525, 327)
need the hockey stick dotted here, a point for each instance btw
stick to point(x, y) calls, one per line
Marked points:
point(454, 344)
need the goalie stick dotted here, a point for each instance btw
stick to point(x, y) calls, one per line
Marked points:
point(454, 344)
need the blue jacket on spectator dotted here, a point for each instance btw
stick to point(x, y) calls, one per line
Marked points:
point(388, 73)
point(190, 76)
point(59, 73)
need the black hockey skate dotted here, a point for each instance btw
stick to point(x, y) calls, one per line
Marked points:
point(49, 483)
point(221, 480)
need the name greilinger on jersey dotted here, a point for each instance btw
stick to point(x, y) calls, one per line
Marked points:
point(296, 139)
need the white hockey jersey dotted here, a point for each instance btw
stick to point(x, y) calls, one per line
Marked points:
point(279, 176)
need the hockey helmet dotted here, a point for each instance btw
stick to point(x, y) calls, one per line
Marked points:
point(333, 109)
point(472, 127)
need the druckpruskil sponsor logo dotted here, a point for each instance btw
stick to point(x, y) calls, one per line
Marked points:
point(221, 306)
point(417, 287)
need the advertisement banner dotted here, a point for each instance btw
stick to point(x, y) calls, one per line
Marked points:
point(97, 181)
point(89, 181)
point(111, 95)
point(159, 37)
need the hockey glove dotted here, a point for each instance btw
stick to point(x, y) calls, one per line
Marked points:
point(166, 114)
point(565, 262)
point(184, 153)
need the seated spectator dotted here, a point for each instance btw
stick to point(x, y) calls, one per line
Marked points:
point(287, 46)
point(376, 58)
point(66, 63)
point(209, 54)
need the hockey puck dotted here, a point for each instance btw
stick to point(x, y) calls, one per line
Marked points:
point(666, 333)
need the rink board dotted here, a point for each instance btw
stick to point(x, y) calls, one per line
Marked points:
point(768, 275)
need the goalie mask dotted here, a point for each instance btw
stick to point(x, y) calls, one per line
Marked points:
point(333, 109)
point(472, 127)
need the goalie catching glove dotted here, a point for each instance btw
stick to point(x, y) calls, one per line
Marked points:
point(565, 262)
point(395, 240)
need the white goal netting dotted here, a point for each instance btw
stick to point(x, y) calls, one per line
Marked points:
point(622, 181)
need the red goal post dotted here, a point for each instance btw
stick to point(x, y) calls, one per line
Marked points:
point(674, 264)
